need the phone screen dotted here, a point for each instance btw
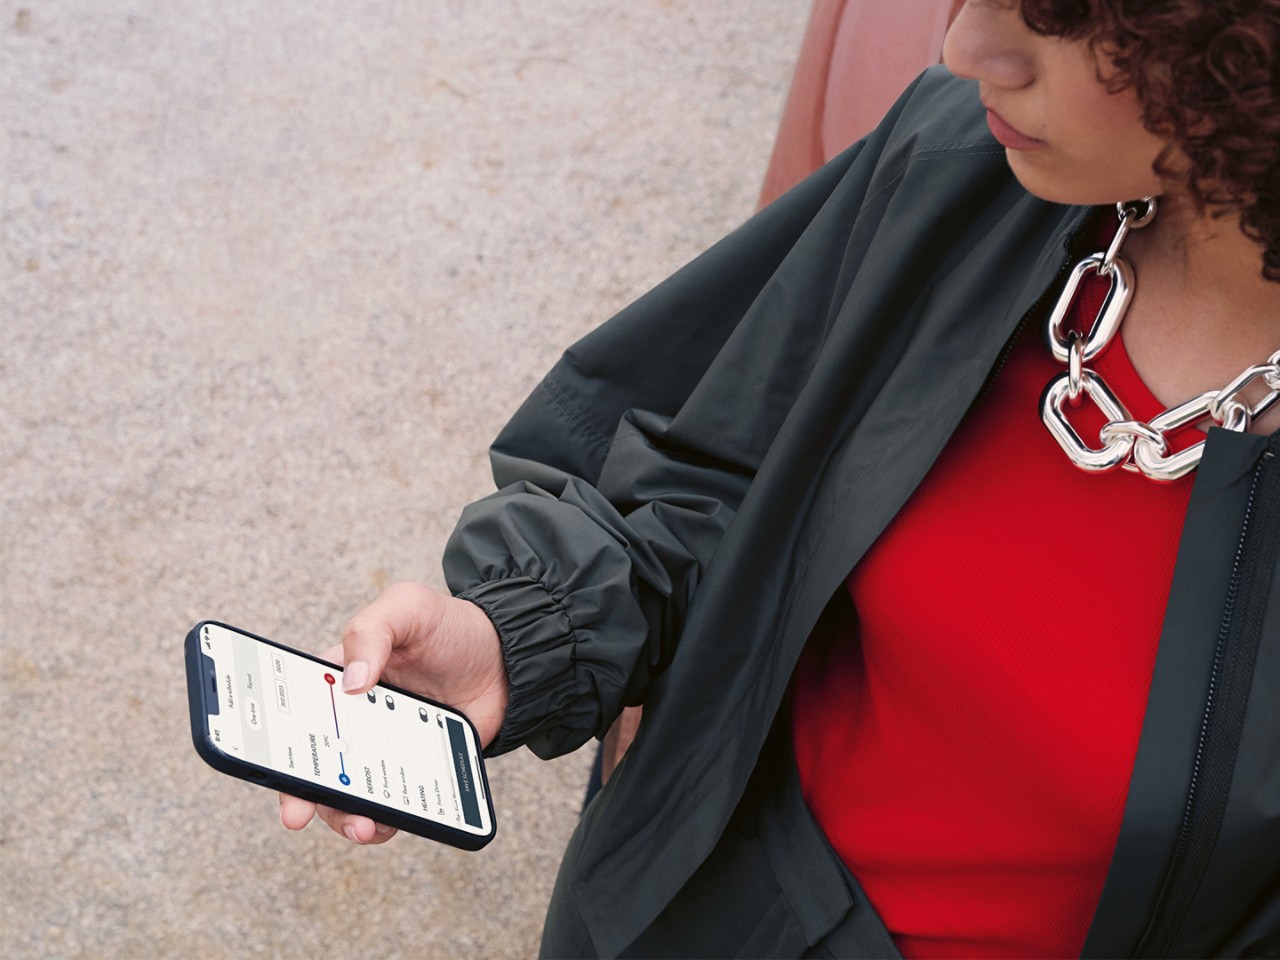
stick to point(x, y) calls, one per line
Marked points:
point(286, 712)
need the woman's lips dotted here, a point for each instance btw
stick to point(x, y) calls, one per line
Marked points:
point(1008, 136)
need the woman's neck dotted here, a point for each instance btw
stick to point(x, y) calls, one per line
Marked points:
point(1209, 261)
point(1202, 311)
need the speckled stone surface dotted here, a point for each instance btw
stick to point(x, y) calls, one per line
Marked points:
point(271, 276)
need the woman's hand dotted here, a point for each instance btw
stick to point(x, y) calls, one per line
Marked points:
point(427, 643)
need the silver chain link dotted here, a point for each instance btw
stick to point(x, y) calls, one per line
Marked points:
point(1126, 442)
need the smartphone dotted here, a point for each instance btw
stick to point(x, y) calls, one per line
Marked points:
point(275, 716)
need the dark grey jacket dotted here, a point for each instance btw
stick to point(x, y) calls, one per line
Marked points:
point(686, 491)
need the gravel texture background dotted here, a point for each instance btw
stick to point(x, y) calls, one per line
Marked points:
point(271, 276)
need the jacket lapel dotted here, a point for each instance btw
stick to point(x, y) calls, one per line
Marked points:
point(1177, 702)
point(863, 448)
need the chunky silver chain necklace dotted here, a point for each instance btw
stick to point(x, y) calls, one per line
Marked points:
point(1133, 444)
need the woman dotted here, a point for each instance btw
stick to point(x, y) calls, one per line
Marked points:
point(920, 675)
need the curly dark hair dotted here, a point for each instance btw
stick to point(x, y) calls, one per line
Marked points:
point(1208, 78)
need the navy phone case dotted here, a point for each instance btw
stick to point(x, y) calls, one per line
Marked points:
point(200, 693)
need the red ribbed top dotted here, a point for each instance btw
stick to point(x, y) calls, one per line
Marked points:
point(968, 752)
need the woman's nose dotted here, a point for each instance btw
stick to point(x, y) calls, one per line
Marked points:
point(987, 42)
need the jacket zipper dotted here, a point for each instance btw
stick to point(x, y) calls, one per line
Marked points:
point(1034, 310)
point(1230, 678)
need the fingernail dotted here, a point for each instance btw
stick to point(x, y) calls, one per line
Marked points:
point(383, 829)
point(350, 831)
point(354, 675)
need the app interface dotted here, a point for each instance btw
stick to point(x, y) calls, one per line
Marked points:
point(288, 713)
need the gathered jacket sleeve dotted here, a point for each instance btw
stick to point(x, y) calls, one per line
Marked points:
point(622, 471)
